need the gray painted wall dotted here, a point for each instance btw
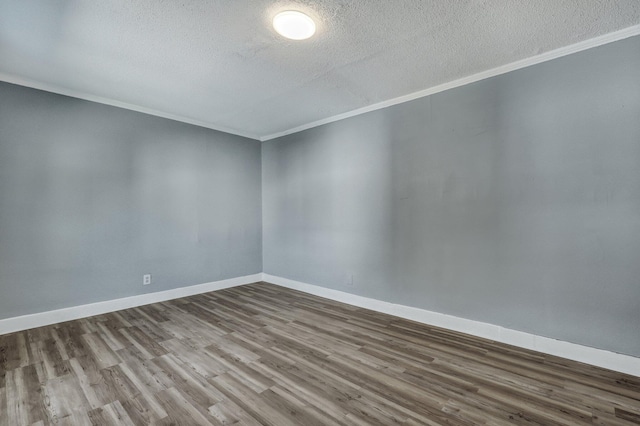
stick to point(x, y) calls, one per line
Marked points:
point(513, 201)
point(92, 197)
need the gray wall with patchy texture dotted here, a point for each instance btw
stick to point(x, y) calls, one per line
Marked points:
point(514, 201)
point(92, 197)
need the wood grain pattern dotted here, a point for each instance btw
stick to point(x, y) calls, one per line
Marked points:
point(264, 355)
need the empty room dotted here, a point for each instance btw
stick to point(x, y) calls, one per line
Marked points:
point(332, 212)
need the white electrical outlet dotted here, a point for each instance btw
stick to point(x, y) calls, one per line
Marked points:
point(146, 279)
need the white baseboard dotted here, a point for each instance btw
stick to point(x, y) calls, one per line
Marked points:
point(598, 357)
point(40, 319)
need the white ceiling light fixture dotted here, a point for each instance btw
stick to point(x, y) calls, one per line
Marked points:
point(294, 25)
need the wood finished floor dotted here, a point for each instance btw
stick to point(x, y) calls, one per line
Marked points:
point(262, 354)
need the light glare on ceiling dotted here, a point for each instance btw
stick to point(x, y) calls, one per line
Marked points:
point(294, 25)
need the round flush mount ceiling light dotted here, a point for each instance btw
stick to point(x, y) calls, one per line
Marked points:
point(294, 25)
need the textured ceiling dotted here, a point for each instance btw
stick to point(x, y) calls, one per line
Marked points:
point(219, 62)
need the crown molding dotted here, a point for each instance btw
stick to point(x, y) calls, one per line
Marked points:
point(47, 87)
point(503, 69)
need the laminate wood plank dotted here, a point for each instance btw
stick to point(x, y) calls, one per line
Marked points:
point(146, 393)
point(262, 354)
point(200, 362)
point(228, 413)
point(315, 394)
point(112, 414)
point(628, 415)
point(181, 411)
point(336, 394)
point(37, 334)
point(189, 382)
point(139, 411)
point(150, 313)
point(295, 409)
point(422, 401)
point(184, 326)
point(153, 331)
point(17, 412)
point(70, 335)
point(4, 412)
point(74, 419)
point(54, 364)
point(113, 338)
point(85, 384)
point(89, 367)
point(115, 385)
point(27, 357)
point(146, 371)
point(88, 325)
point(23, 385)
point(249, 376)
point(253, 340)
point(227, 349)
point(145, 342)
point(522, 389)
point(34, 403)
point(259, 408)
point(9, 352)
point(64, 399)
